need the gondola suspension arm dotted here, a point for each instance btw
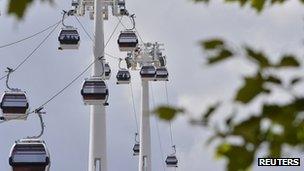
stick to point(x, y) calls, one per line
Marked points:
point(66, 14)
point(39, 112)
point(9, 71)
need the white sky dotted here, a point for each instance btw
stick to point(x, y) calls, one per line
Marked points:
point(179, 24)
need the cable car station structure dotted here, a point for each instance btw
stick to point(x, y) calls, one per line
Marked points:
point(146, 58)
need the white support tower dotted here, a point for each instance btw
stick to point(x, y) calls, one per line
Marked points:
point(98, 133)
point(145, 137)
point(98, 11)
point(147, 55)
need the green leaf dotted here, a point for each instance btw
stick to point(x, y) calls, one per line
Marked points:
point(18, 7)
point(258, 4)
point(167, 112)
point(201, 0)
point(258, 57)
point(252, 87)
point(241, 2)
point(273, 79)
point(277, 1)
point(223, 55)
point(212, 44)
point(283, 115)
point(208, 113)
point(296, 80)
point(239, 158)
point(229, 120)
point(275, 148)
point(298, 103)
point(288, 61)
point(249, 130)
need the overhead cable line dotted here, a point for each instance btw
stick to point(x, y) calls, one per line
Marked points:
point(83, 28)
point(33, 52)
point(78, 76)
point(90, 37)
point(70, 83)
point(170, 123)
point(73, 81)
point(134, 107)
point(157, 130)
point(29, 37)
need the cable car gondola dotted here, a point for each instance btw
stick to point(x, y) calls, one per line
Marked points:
point(14, 105)
point(29, 155)
point(148, 73)
point(127, 40)
point(107, 71)
point(171, 161)
point(75, 3)
point(68, 38)
point(94, 91)
point(161, 74)
point(123, 76)
point(136, 149)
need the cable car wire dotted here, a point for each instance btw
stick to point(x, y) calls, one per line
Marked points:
point(79, 75)
point(90, 37)
point(33, 52)
point(141, 39)
point(157, 130)
point(134, 108)
point(83, 28)
point(70, 83)
point(170, 123)
point(29, 37)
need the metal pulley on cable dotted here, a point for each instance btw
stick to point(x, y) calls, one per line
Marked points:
point(29, 154)
point(94, 91)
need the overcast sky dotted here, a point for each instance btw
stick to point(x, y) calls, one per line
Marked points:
point(179, 24)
